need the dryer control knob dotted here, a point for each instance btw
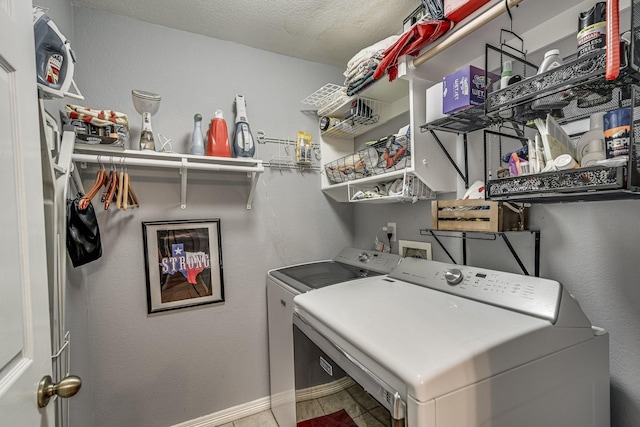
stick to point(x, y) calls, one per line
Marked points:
point(363, 257)
point(453, 276)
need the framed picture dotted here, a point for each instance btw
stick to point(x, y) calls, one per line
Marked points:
point(183, 262)
point(411, 249)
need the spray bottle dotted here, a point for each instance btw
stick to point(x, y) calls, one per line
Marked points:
point(218, 137)
point(197, 144)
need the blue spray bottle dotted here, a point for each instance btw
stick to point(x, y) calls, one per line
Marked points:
point(243, 143)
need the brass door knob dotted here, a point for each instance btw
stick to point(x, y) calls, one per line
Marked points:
point(67, 387)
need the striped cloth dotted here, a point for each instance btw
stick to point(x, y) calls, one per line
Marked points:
point(99, 118)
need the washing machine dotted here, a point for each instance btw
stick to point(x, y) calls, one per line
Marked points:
point(283, 284)
point(440, 345)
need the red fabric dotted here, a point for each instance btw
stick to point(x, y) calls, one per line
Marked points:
point(410, 43)
point(337, 419)
point(457, 10)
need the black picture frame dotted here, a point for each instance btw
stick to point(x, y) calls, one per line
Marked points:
point(183, 263)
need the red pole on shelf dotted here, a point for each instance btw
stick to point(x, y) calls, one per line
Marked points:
point(613, 40)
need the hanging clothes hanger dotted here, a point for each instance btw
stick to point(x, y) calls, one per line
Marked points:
point(120, 185)
point(125, 187)
point(112, 186)
point(129, 198)
point(133, 199)
point(101, 179)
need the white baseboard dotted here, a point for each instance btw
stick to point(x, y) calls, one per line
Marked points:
point(230, 414)
point(323, 390)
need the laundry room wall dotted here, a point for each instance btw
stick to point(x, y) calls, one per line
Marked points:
point(168, 368)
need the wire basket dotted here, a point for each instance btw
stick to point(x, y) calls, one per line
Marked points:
point(408, 188)
point(356, 117)
point(385, 155)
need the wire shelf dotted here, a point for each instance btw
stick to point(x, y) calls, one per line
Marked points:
point(328, 99)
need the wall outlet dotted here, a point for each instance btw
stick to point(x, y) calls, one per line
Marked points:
point(391, 228)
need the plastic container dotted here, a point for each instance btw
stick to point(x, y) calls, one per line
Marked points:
point(197, 143)
point(617, 127)
point(507, 73)
point(551, 60)
point(218, 137)
point(595, 132)
point(595, 152)
point(592, 29)
point(564, 162)
point(303, 148)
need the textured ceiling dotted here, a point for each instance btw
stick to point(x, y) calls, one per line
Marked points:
point(325, 31)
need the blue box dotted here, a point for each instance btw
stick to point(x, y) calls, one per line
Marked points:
point(464, 88)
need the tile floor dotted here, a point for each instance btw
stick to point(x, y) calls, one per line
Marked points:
point(261, 419)
point(362, 408)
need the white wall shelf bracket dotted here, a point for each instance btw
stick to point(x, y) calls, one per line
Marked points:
point(183, 183)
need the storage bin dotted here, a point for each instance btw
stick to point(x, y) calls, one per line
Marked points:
point(477, 215)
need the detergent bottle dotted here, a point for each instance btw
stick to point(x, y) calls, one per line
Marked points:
point(218, 137)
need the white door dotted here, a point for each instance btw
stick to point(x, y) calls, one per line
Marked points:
point(25, 348)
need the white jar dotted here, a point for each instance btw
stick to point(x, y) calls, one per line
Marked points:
point(564, 162)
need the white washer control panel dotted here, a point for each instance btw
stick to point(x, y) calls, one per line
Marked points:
point(530, 295)
point(371, 260)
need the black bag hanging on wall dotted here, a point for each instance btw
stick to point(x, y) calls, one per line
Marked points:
point(83, 234)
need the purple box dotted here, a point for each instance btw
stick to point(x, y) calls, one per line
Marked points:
point(464, 88)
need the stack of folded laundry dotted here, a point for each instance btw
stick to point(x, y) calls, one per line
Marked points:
point(360, 68)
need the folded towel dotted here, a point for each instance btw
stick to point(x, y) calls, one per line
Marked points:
point(359, 85)
point(370, 52)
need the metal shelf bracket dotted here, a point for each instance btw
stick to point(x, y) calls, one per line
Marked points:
point(477, 235)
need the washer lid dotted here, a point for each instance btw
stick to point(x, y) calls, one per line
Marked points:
point(349, 264)
point(315, 275)
point(432, 341)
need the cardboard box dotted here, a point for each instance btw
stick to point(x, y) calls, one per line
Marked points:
point(457, 10)
point(464, 88)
